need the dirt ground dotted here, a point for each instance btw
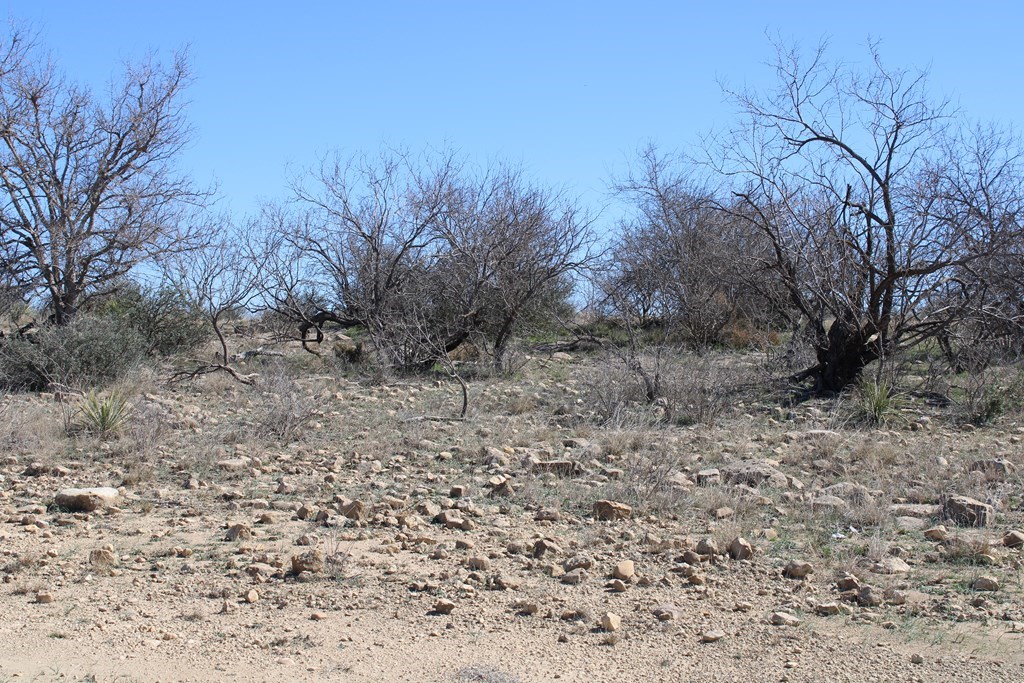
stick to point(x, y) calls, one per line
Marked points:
point(319, 527)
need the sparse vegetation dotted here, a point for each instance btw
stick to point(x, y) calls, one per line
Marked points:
point(426, 402)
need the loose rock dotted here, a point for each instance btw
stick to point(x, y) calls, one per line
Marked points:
point(610, 510)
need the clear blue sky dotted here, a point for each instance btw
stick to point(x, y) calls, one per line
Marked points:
point(569, 89)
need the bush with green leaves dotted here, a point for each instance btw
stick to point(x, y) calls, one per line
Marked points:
point(89, 352)
point(167, 321)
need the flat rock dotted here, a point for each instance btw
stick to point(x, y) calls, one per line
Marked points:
point(1014, 539)
point(890, 565)
point(87, 500)
point(754, 473)
point(920, 510)
point(784, 619)
point(233, 464)
point(827, 503)
point(910, 523)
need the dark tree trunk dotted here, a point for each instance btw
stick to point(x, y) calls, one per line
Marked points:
point(847, 351)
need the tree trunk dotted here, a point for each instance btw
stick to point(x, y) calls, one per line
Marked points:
point(847, 351)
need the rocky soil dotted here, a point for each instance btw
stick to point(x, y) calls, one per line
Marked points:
point(317, 527)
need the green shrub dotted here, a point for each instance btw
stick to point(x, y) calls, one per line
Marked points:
point(89, 352)
point(165, 319)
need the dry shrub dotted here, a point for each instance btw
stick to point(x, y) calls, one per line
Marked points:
point(666, 385)
point(647, 482)
point(987, 395)
point(283, 409)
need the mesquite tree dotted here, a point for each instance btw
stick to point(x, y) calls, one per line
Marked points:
point(88, 186)
point(872, 197)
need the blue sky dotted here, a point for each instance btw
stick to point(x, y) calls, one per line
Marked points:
point(569, 89)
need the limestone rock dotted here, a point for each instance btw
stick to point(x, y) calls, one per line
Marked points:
point(624, 570)
point(87, 500)
point(444, 606)
point(827, 503)
point(1014, 539)
point(740, 549)
point(311, 561)
point(611, 622)
point(966, 511)
point(610, 510)
point(784, 619)
point(890, 565)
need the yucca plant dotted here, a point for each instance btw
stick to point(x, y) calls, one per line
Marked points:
point(103, 416)
point(877, 402)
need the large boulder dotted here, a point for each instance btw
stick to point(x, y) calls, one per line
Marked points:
point(87, 500)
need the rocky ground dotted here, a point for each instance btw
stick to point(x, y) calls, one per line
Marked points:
point(317, 527)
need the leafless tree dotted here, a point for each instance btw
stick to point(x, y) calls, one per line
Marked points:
point(421, 253)
point(364, 227)
point(513, 247)
point(88, 188)
point(681, 264)
point(220, 280)
point(871, 198)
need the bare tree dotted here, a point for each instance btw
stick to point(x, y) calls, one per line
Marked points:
point(422, 254)
point(514, 247)
point(680, 264)
point(88, 188)
point(871, 198)
point(365, 228)
point(220, 280)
